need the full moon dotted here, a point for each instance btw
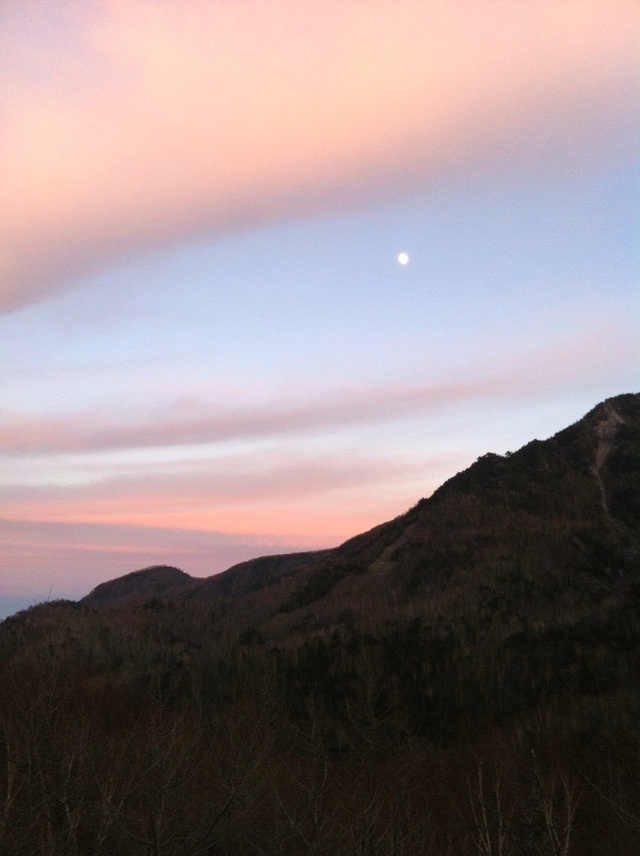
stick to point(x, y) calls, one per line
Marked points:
point(403, 258)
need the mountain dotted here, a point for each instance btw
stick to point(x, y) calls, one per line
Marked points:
point(165, 580)
point(464, 679)
point(149, 582)
point(553, 523)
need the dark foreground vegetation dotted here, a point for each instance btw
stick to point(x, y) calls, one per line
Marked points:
point(429, 688)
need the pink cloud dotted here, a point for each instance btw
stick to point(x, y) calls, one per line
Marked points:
point(169, 426)
point(202, 515)
point(234, 480)
point(127, 125)
point(179, 423)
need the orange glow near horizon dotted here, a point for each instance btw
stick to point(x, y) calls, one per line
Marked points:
point(312, 522)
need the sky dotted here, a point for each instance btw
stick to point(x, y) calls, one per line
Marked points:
point(209, 350)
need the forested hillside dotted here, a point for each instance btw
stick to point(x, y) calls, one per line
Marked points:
point(464, 679)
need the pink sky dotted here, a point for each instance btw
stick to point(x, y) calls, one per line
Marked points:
point(136, 123)
point(207, 348)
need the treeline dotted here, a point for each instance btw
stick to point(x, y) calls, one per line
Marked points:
point(147, 731)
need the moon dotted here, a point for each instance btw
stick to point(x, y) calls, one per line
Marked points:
point(403, 258)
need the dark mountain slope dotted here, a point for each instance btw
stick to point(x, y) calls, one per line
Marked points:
point(166, 581)
point(551, 527)
point(250, 576)
point(155, 581)
point(553, 523)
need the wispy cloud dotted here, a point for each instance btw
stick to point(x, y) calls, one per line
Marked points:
point(131, 123)
point(169, 426)
point(232, 480)
point(193, 422)
point(203, 514)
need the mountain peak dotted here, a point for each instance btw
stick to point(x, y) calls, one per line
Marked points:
point(148, 582)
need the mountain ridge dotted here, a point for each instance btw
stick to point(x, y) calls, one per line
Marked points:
point(580, 480)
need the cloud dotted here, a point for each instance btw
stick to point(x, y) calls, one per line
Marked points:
point(233, 480)
point(228, 508)
point(188, 422)
point(282, 497)
point(170, 426)
point(130, 124)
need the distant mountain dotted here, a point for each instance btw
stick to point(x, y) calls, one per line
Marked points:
point(155, 581)
point(167, 581)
